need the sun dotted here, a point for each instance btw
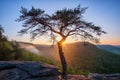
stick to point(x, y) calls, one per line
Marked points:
point(63, 43)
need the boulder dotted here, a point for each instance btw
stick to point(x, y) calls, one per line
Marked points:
point(27, 71)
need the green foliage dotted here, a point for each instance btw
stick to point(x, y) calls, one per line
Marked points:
point(5, 47)
point(6, 52)
point(94, 60)
point(72, 70)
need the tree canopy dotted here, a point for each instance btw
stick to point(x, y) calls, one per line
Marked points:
point(65, 22)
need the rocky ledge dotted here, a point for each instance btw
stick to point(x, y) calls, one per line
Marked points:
point(96, 76)
point(27, 71)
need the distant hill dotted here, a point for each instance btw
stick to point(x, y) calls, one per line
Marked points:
point(84, 56)
point(118, 46)
point(110, 48)
point(89, 57)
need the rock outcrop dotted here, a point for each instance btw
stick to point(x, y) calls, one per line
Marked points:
point(27, 71)
point(96, 76)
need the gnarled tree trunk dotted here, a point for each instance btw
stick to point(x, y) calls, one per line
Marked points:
point(63, 61)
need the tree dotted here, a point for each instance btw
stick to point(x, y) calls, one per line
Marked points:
point(64, 23)
point(5, 47)
point(17, 50)
point(1, 33)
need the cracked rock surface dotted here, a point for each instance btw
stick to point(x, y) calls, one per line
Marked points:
point(27, 71)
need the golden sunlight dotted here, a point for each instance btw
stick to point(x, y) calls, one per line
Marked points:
point(63, 43)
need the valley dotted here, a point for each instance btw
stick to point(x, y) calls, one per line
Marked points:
point(84, 56)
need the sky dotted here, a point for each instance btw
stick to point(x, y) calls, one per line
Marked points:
point(104, 13)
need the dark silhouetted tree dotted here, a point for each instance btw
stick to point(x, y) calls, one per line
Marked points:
point(64, 23)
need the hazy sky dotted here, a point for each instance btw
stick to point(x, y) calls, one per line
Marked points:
point(104, 13)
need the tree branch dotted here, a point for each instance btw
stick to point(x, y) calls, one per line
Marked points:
point(72, 31)
point(50, 27)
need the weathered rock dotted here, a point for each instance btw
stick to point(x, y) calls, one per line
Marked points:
point(96, 76)
point(6, 65)
point(27, 71)
point(75, 77)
